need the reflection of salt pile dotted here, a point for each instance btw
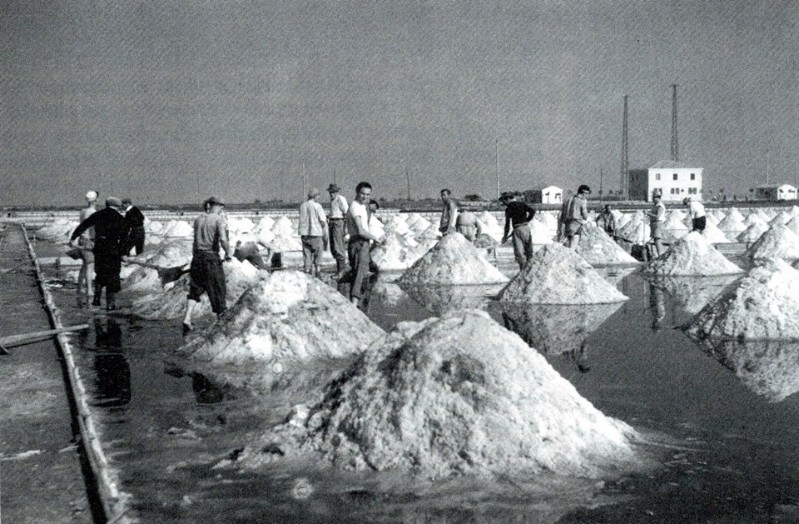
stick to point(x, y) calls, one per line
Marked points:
point(171, 303)
point(441, 299)
point(558, 275)
point(456, 396)
point(396, 253)
point(596, 247)
point(733, 223)
point(57, 231)
point(752, 233)
point(778, 241)
point(760, 306)
point(279, 325)
point(556, 329)
point(714, 235)
point(490, 225)
point(694, 293)
point(766, 368)
point(171, 254)
point(286, 238)
point(692, 255)
point(453, 260)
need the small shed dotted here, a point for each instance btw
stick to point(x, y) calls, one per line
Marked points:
point(547, 195)
point(775, 192)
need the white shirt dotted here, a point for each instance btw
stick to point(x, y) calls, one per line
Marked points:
point(696, 209)
point(312, 219)
point(338, 207)
point(357, 210)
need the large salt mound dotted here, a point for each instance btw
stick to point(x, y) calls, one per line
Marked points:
point(177, 229)
point(782, 217)
point(396, 253)
point(761, 306)
point(597, 248)
point(456, 396)
point(778, 241)
point(278, 326)
point(170, 303)
point(714, 235)
point(674, 224)
point(452, 261)
point(754, 218)
point(733, 222)
point(491, 226)
point(540, 232)
point(752, 233)
point(556, 329)
point(558, 275)
point(57, 231)
point(692, 255)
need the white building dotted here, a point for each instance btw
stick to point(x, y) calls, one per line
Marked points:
point(781, 192)
point(673, 180)
point(547, 195)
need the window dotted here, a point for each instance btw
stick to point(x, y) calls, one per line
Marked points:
point(693, 176)
point(674, 177)
point(657, 176)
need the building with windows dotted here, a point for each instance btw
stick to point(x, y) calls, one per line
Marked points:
point(673, 180)
point(780, 192)
point(547, 195)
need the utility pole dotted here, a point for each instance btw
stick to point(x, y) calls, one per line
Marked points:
point(304, 183)
point(601, 176)
point(675, 152)
point(408, 179)
point(496, 163)
point(625, 160)
point(768, 162)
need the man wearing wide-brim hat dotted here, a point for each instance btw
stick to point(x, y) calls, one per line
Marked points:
point(337, 228)
point(110, 232)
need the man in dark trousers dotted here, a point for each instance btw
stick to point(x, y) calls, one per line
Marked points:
point(518, 214)
point(110, 232)
point(135, 223)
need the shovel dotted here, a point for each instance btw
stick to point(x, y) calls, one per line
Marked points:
point(166, 274)
point(26, 338)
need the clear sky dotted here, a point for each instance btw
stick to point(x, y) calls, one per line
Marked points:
point(173, 101)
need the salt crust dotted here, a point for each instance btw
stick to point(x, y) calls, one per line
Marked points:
point(452, 261)
point(778, 241)
point(453, 396)
point(597, 248)
point(170, 302)
point(558, 275)
point(761, 306)
point(280, 324)
point(692, 255)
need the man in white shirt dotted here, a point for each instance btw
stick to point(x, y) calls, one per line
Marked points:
point(358, 217)
point(657, 215)
point(312, 229)
point(697, 212)
point(337, 228)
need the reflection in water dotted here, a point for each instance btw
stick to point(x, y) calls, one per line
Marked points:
point(694, 293)
point(441, 299)
point(205, 391)
point(657, 306)
point(615, 274)
point(556, 330)
point(767, 368)
point(112, 374)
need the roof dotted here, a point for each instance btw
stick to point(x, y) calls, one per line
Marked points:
point(671, 164)
point(774, 186)
point(550, 188)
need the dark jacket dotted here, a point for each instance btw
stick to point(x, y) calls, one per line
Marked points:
point(134, 218)
point(110, 231)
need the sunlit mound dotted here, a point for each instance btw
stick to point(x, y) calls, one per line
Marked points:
point(58, 230)
point(733, 223)
point(396, 253)
point(692, 255)
point(752, 233)
point(557, 275)
point(597, 248)
point(779, 241)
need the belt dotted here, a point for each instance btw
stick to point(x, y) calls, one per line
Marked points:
point(520, 225)
point(356, 239)
point(334, 218)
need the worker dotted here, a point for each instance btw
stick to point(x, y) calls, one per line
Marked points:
point(86, 244)
point(696, 210)
point(468, 225)
point(134, 219)
point(337, 229)
point(449, 213)
point(313, 232)
point(574, 214)
point(518, 214)
point(657, 216)
point(606, 221)
point(359, 248)
point(250, 251)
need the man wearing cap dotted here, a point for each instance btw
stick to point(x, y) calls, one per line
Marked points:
point(110, 232)
point(134, 219)
point(518, 214)
point(206, 274)
point(312, 230)
point(337, 228)
point(86, 243)
point(574, 214)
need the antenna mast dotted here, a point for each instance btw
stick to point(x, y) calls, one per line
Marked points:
point(675, 152)
point(625, 160)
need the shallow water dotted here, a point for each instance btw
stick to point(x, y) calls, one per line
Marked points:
point(727, 451)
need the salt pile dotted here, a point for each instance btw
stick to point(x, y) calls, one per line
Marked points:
point(558, 275)
point(754, 218)
point(548, 219)
point(622, 219)
point(752, 233)
point(491, 226)
point(454, 396)
point(286, 237)
point(418, 223)
point(177, 229)
point(782, 217)
point(396, 253)
point(169, 255)
point(452, 261)
point(555, 330)
point(793, 225)
point(692, 255)
point(778, 241)
point(733, 222)
point(152, 227)
point(57, 231)
point(170, 303)
point(398, 226)
point(714, 235)
point(263, 230)
point(596, 247)
point(675, 225)
point(761, 306)
point(540, 232)
point(277, 327)
point(635, 230)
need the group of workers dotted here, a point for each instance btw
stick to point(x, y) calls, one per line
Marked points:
point(657, 216)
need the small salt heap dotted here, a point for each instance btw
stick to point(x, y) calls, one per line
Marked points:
point(57, 231)
point(453, 261)
point(277, 327)
point(263, 231)
point(752, 233)
point(778, 241)
point(732, 223)
point(177, 229)
point(286, 237)
point(793, 224)
point(714, 235)
point(597, 248)
point(635, 230)
point(170, 255)
point(761, 306)
point(692, 255)
point(459, 395)
point(396, 253)
point(754, 218)
point(558, 275)
point(675, 225)
point(491, 226)
point(782, 217)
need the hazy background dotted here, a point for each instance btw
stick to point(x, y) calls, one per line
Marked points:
point(170, 102)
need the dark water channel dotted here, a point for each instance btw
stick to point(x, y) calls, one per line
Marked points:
point(726, 421)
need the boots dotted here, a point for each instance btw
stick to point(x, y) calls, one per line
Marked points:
point(341, 269)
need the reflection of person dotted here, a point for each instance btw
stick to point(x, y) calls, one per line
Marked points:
point(607, 221)
point(657, 306)
point(134, 220)
point(86, 244)
point(112, 373)
point(109, 235)
point(468, 225)
point(697, 213)
point(574, 213)
point(657, 216)
point(580, 356)
point(206, 274)
point(359, 249)
point(449, 213)
point(337, 229)
point(518, 214)
point(313, 232)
